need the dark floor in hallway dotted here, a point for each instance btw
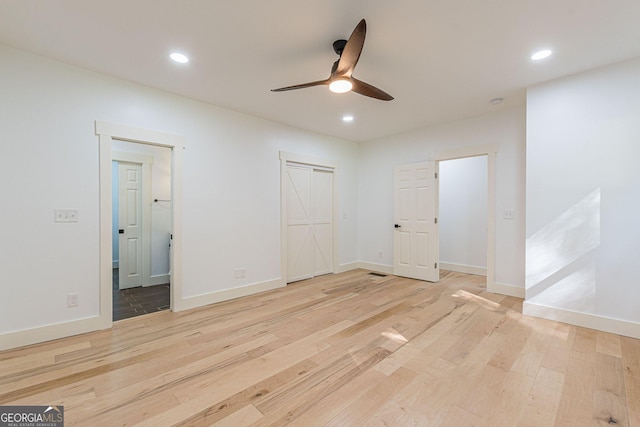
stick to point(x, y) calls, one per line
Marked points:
point(137, 301)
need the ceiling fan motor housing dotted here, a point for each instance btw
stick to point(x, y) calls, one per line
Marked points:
point(338, 46)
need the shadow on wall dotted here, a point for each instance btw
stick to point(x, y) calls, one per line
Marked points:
point(561, 258)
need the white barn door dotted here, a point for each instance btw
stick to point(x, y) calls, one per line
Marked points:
point(309, 195)
point(130, 225)
point(415, 239)
point(322, 232)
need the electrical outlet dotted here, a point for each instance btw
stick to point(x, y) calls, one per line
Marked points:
point(239, 273)
point(509, 214)
point(380, 254)
point(73, 299)
point(72, 215)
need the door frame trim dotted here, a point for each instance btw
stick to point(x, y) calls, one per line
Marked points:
point(145, 161)
point(489, 150)
point(335, 240)
point(107, 132)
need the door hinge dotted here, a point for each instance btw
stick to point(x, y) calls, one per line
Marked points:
point(436, 175)
point(435, 220)
point(435, 265)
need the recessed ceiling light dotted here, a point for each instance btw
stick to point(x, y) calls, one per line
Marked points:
point(347, 118)
point(541, 54)
point(179, 57)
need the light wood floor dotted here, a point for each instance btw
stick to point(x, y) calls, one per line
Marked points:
point(342, 350)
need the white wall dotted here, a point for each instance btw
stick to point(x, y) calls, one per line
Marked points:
point(506, 128)
point(462, 214)
point(583, 199)
point(231, 187)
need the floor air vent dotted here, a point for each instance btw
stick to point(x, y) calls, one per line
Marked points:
point(378, 274)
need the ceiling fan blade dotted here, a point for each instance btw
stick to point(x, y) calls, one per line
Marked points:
point(351, 53)
point(367, 90)
point(302, 86)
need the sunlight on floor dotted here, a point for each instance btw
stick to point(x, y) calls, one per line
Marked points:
point(394, 335)
point(489, 305)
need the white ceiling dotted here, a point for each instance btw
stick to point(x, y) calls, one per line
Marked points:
point(441, 59)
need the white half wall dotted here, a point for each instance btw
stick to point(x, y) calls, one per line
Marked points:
point(231, 189)
point(505, 128)
point(583, 199)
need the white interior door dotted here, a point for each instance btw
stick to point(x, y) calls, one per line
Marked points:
point(322, 213)
point(298, 195)
point(309, 195)
point(415, 239)
point(130, 224)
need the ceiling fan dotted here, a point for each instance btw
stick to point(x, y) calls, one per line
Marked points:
point(341, 79)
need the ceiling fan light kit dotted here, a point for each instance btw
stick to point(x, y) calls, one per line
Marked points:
point(341, 79)
point(340, 86)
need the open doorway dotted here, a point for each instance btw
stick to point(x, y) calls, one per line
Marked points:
point(141, 228)
point(489, 151)
point(108, 134)
point(462, 214)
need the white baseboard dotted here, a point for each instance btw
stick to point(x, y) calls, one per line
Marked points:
point(346, 267)
point(461, 268)
point(592, 321)
point(51, 332)
point(504, 289)
point(226, 294)
point(378, 268)
point(62, 330)
point(159, 279)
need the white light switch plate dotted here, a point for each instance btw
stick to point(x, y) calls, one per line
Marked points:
point(66, 215)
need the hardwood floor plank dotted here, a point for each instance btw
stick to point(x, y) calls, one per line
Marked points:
point(576, 404)
point(630, 349)
point(607, 343)
point(199, 395)
point(21, 389)
point(243, 417)
point(350, 349)
point(508, 398)
point(39, 359)
point(543, 399)
point(424, 400)
point(354, 400)
point(510, 352)
point(155, 382)
point(455, 416)
point(434, 335)
point(313, 389)
point(224, 408)
point(610, 400)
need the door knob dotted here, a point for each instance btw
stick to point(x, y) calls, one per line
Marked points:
point(397, 226)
